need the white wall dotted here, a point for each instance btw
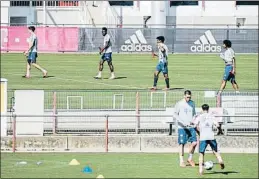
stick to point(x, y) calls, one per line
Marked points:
point(216, 12)
point(23, 12)
point(5, 12)
point(58, 17)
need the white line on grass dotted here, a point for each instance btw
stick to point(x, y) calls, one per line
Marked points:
point(124, 86)
point(84, 81)
point(33, 163)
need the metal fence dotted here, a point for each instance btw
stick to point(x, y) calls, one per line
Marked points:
point(106, 126)
point(82, 100)
point(122, 106)
point(134, 40)
point(178, 40)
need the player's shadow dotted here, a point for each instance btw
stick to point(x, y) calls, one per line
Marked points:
point(221, 172)
point(117, 78)
point(40, 77)
point(49, 77)
point(176, 88)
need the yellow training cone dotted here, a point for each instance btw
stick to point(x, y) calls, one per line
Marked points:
point(74, 162)
point(100, 176)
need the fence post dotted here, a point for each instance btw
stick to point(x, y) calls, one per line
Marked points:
point(106, 133)
point(176, 127)
point(227, 32)
point(225, 127)
point(137, 113)
point(54, 112)
point(14, 133)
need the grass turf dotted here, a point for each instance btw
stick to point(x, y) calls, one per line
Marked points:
point(134, 72)
point(68, 71)
point(128, 165)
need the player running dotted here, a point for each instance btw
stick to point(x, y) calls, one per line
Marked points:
point(162, 62)
point(204, 124)
point(230, 69)
point(107, 54)
point(32, 54)
point(184, 113)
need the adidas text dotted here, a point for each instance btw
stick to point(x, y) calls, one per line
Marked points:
point(137, 48)
point(206, 48)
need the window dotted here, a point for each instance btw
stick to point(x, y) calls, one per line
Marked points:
point(18, 21)
point(247, 3)
point(121, 3)
point(37, 3)
point(184, 3)
point(20, 3)
point(48, 3)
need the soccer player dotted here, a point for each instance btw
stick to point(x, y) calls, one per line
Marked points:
point(162, 62)
point(32, 54)
point(107, 54)
point(184, 113)
point(230, 69)
point(204, 124)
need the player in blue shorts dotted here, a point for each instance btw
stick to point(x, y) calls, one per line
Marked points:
point(106, 52)
point(162, 65)
point(32, 54)
point(204, 124)
point(230, 66)
point(184, 112)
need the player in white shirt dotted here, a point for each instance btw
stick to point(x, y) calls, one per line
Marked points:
point(204, 124)
point(107, 54)
point(230, 69)
point(32, 54)
point(184, 112)
point(162, 65)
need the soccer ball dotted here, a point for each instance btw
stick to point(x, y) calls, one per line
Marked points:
point(208, 165)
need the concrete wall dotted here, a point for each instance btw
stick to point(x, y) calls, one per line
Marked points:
point(122, 143)
point(54, 16)
point(5, 12)
point(215, 12)
point(59, 16)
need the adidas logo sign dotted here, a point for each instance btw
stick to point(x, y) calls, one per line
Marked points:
point(136, 43)
point(206, 43)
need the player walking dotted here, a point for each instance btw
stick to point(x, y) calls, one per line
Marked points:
point(230, 69)
point(107, 54)
point(184, 113)
point(32, 54)
point(204, 124)
point(162, 62)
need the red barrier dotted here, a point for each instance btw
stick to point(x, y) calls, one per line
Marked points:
point(50, 39)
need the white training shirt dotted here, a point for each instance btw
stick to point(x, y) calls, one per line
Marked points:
point(228, 56)
point(162, 56)
point(205, 123)
point(107, 39)
point(184, 112)
point(34, 40)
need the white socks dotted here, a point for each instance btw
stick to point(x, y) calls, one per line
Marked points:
point(181, 159)
point(190, 157)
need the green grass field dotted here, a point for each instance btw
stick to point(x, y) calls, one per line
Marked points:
point(134, 72)
point(114, 165)
point(70, 71)
point(74, 73)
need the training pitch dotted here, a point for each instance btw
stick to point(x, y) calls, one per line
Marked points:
point(71, 71)
point(114, 165)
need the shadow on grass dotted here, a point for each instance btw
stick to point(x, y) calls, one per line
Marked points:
point(39, 77)
point(221, 172)
point(116, 78)
point(176, 88)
